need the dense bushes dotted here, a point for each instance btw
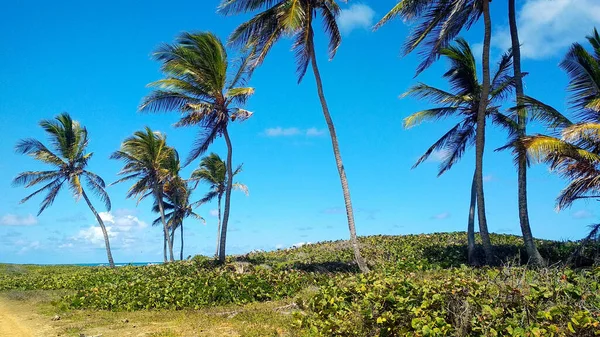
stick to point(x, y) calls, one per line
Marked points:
point(457, 302)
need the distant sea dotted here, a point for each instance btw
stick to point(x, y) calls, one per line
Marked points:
point(137, 264)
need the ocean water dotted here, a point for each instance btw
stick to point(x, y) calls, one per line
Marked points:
point(137, 264)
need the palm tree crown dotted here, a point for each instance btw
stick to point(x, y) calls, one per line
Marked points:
point(212, 171)
point(462, 100)
point(68, 157)
point(197, 85)
point(283, 18)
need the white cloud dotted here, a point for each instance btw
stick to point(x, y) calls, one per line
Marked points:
point(279, 131)
point(357, 16)
point(17, 220)
point(300, 244)
point(582, 214)
point(279, 246)
point(438, 156)
point(122, 230)
point(27, 246)
point(314, 132)
point(293, 131)
point(214, 212)
point(441, 216)
point(488, 178)
point(547, 28)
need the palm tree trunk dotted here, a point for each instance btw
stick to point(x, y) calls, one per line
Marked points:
point(338, 159)
point(534, 255)
point(480, 136)
point(219, 223)
point(181, 251)
point(111, 262)
point(472, 257)
point(161, 209)
point(172, 236)
point(227, 198)
point(165, 248)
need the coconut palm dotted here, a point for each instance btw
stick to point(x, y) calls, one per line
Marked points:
point(438, 22)
point(69, 159)
point(461, 101)
point(212, 171)
point(197, 85)
point(294, 18)
point(147, 160)
point(534, 255)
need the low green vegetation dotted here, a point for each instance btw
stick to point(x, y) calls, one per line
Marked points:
point(419, 286)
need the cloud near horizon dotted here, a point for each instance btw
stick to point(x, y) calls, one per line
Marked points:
point(357, 16)
point(548, 28)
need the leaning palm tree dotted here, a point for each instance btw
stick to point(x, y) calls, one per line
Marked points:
point(294, 18)
point(69, 159)
point(521, 130)
point(438, 23)
point(147, 160)
point(198, 86)
point(461, 101)
point(212, 171)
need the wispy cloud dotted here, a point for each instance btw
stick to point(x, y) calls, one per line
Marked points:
point(547, 28)
point(79, 217)
point(355, 17)
point(17, 220)
point(441, 216)
point(582, 214)
point(293, 131)
point(333, 210)
point(214, 212)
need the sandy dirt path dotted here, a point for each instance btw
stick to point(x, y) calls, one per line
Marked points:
point(12, 325)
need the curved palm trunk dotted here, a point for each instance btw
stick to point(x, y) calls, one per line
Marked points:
point(227, 198)
point(111, 262)
point(472, 257)
point(181, 251)
point(534, 255)
point(219, 223)
point(173, 239)
point(161, 209)
point(338, 159)
point(480, 136)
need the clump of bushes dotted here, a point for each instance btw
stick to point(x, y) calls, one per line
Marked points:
point(457, 302)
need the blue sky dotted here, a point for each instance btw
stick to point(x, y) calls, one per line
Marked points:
point(92, 59)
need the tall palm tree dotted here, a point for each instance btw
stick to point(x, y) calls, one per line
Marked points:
point(147, 160)
point(212, 171)
point(438, 22)
point(197, 85)
point(461, 101)
point(295, 18)
point(68, 156)
point(534, 255)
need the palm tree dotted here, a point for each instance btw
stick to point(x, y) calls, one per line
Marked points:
point(440, 21)
point(295, 18)
point(534, 255)
point(461, 101)
point(69, 158)
point(197, 85)
point(147, 159)
point(212, 171)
